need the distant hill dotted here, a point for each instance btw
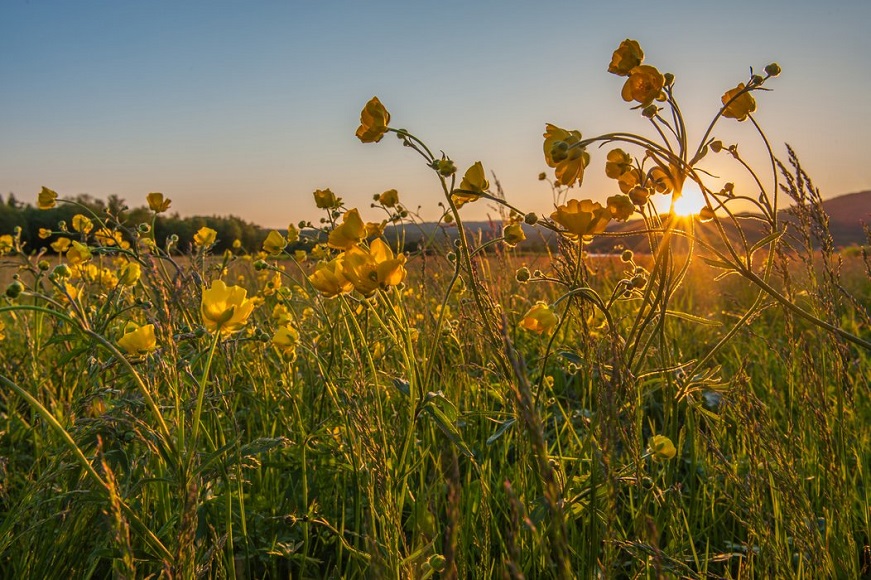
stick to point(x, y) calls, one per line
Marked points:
point(847, 214)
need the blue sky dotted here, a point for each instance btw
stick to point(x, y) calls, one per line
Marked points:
point(246, 107)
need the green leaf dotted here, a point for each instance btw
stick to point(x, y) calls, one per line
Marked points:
point(444, 413)
point(500, 431)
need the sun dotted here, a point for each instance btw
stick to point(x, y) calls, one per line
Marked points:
point(691, 200)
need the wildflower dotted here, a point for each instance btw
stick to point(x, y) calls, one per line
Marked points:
point(389, 198)
point(627, 56)
point(621, 207)
point(373, 122)
point(582, 218)
point(643, 85)
point(639, 195)
point(706, 214)
point(661, 447)
point(300, 255)
point(6, 242)
point(47, 199)
point(562, 153)
point(541, 319)
point(225, 308)
point(129, 274)
point(351, 231)
point(78, 253)
point(512, 234)
point(742, 105)
point(44, 234)
point(292, 234)
point(285, 339)
point(328, 278)
point(377, 267)
point(617, 163)
point(138, 340)
point(474, 182)
point(157, 202)
point(660, 180)
point(205, 236)
point(273, 284)
point(82, 224)
point(326, 199)
point(281, 314)
point(374, 230)
point(274, 243)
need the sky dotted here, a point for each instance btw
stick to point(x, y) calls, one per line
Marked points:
point(245, 108)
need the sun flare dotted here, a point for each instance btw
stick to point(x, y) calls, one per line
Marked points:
point(691, 200)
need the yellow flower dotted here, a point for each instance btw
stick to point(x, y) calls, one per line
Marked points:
point(513, 234)
point(621, 207)
point(643, 85)
point(617, 163)
point(138, 340)
point(225, 308)
point(272, 284)
point(541, 319)
point(474, 182)
point(47, 199)
point(389, 198)
point(44, 234)
point(205, 236)
point(742, 106)
point(5, 244)
point(373, 269)
point(281, 314)
point(328, 278)
point(661, 447)
point(2, 330)
point(351, 231)
point(129, 274)
point(292, 234)
point(562, 153)
point(373, 122)
point(285, 339)
point(82, 224)
point(274, 243)
point(78, 253)
point(157, 202)
point(300, 255)
point(663, 181)
point(326, 199)
point(628, 56)
point(374, 230)
point(583, 218)
point(639, 195)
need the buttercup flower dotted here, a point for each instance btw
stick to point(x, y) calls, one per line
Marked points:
point(157, 202)
point(78, 253)
point(373, 269)
point(661, 447)
point(205, 237)
point(541, 319)
point(285, 339)
point(225, 308)
point(349, 232)
point(742, 106)
point(326, 199)
point(513, 234)
point(389, 198)
point(47, 199)
point(129, 273)
point(328, 278)
point(373, 122)
point(628, 56)
point(660, 180)
point(82, 224)
point(583, 218)
point(274, 243)
point(621, 207)
point(643, 85)
point(639, 195)
point(5, 244)
point(560, 153)
point(44, 234)
point(292, 234)
point(138, 340)
point(617, 163)
point(474, 182)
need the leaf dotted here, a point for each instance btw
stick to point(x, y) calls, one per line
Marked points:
point(766, 240)
point(402, 386)
point(717, 263)
point(505, 426)
point(572, 357)
point(444, 413)
point(692, 318)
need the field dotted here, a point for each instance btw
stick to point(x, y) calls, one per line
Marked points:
point(330, 405)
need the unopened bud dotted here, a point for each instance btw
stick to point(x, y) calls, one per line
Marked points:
point(14, 289)
point(530, 219)
point(773, 69)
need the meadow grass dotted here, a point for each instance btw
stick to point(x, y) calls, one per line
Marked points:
point(462, 411)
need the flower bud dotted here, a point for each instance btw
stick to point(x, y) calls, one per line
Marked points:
point(716, 146)
point(542, 176)
point(14, 289)
point(144, 228)
point(669, 79)
point(43, 265)
point(638, 281)
point(756, 80)
point(626, 256)
point(706, 214)
point(530, 219)
point(522, 275)
point(773, 69)
point(61, 271)
point(649, 111)
point(447, 168)
point(260, 265)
